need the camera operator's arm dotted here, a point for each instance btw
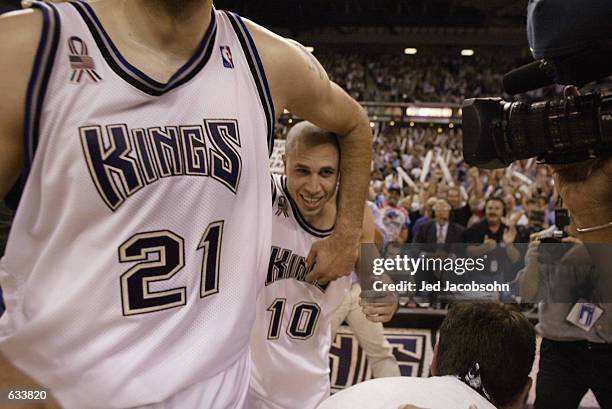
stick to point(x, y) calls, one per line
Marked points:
point(528, 277)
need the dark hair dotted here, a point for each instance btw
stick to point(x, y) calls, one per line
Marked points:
point(496, 336)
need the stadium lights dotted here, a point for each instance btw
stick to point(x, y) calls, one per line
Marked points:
point(309, 48)
point(429, 112)
point(410, 51)
point(372, 124)
point(411, 123)
point(392, 123)
point(467, 52)
point(451, 125)
point(290, 120)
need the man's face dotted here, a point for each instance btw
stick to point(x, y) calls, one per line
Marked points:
point(312, 176)
point(494, 211)
point(510, 202)
point(442, 210)
point(454, 198)
point(393, 198)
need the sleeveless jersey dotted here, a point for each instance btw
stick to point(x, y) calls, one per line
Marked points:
point(142, 235)
point(291, 337)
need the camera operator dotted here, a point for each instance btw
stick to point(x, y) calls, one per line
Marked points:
point(575, 323)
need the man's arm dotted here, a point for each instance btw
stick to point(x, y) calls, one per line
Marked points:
point(299, 84)
point(528, 277)
point(19, 32)
point(381, 306)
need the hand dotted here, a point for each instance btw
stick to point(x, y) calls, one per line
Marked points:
point(331, 258)
point(514, 217)
point(533, 250)
point(491, 243)
point(509, 235)
point(571, 239)
point(379, 309)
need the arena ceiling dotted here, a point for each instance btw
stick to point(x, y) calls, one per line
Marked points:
point(398, 13)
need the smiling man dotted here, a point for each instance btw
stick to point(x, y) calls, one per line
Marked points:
point(291, 338)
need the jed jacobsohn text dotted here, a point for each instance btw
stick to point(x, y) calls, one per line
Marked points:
point(412, 265)
point(440, 286)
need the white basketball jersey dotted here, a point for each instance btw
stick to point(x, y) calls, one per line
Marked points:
point(142, 235)
point(291, 337)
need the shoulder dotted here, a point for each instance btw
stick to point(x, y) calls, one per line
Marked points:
point(457, 227)
point(20, 32)
point(475, 230)
point(278, 55)
point(427, 225)
point(20, 28)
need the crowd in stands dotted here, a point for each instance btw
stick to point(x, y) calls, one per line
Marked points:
point(415, 167)
point(416, 78)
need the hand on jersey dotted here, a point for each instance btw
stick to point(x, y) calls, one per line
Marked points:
point(331, 258)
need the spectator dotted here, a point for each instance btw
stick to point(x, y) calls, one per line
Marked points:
point(489, 233)
point(420, 221)
point(440, 230)
point(395, 218)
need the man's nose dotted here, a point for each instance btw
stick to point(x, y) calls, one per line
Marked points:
point(312, 186)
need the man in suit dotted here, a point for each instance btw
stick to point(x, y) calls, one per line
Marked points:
point(440, 233)
point(440, 229)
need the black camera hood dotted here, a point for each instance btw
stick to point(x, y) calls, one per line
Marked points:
point(572, 41)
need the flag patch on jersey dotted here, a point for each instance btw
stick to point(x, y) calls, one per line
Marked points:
point(80, 61)
point(226, 56)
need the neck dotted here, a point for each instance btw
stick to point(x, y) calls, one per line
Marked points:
point(176, 25)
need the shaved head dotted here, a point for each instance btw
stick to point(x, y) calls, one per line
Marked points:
point(306, 135)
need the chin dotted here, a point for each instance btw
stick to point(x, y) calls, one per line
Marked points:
point(310, 212)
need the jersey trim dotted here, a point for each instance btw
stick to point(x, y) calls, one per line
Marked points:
point(39, 79)
point(300, 219)
point(273, 185)
point(133, 75)
point(257, 70)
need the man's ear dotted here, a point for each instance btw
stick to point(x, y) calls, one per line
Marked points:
point(521, 398)
point(433, 369)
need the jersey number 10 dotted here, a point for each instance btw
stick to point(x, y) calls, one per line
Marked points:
point(160, 255)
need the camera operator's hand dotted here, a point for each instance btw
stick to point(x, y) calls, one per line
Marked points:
point(533, 250)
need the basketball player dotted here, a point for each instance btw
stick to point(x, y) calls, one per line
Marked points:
point(291, 338)
point(138, 133)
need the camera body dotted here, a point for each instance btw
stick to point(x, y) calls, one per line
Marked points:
point(497, 133)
